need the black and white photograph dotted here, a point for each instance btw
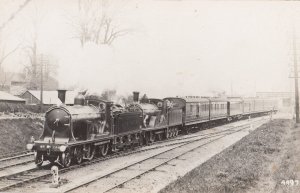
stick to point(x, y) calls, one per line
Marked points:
point(149, 96)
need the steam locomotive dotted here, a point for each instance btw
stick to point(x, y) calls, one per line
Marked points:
point(96, 127)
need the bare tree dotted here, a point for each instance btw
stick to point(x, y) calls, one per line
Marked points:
point(4, 55)
point(4, 52)
point(4, 78)
point(31, 48)
point(14, 14)
point(96, 23)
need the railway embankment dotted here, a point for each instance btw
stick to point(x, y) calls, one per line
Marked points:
point(16, 133)
point(266, 160)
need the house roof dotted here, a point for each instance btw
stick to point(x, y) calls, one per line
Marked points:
point(17, 90)
point(51, 97)
point(4, 96)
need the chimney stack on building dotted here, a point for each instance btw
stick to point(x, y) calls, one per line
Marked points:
point(136, 96)
point(62, 95)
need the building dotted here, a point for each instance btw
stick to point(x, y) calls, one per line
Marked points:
point(8, 98)
point(49, 97)
point(285, 99)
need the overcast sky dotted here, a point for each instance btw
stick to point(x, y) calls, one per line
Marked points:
point(174, 47)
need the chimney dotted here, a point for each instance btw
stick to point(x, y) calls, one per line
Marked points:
point(62, 95)
point(136, 96)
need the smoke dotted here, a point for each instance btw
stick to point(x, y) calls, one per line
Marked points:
point(90, 67)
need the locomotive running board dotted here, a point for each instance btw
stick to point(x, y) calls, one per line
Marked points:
point(102, 142)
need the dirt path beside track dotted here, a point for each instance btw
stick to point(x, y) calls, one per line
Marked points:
point(264, 161)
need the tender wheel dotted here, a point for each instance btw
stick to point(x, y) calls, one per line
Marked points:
point(159, 137)
point(66, 159)
point(141, 140)
point(39, 159)
point(168, 134)
point(172, 133)
point(187, 131)
point(176, 132)
point(151, 137)
point(147, 139)
point(104, 149)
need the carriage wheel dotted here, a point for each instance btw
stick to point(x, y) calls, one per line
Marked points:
point(104, 149)
point(66, 159)
point(175, 132)
point(171, 133)
point(39, 159)
point(187, 130)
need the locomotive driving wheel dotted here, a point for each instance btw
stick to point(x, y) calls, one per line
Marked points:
point(66, 159)
point(78, 155)
point(90, 152)
point(103, 149)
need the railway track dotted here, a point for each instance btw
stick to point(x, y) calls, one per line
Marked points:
point(18, 179)
point(14, 180)
point(175, 150)
point(7, 156)
point(36, 174)
point(17, 160)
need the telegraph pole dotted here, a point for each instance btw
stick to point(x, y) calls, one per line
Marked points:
point(41, 94)
point(296, 76)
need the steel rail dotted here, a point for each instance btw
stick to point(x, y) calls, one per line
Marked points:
point(46, 174)
point(138, 162)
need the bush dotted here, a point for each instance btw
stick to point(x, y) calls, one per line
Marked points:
point(6, 107)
